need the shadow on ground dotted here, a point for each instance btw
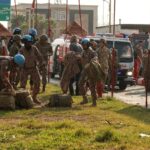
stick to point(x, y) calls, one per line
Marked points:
point(137, 112)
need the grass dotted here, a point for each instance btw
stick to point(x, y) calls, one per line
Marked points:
point(112, 125)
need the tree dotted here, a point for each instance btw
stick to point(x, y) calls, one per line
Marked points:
point(41, 24)
point(18, 21)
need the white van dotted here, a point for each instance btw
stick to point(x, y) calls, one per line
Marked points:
point(60, 48)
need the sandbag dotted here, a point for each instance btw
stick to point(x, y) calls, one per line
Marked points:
point(7, 102)
point(2, 86)
point(60, 100)
point(23, 99)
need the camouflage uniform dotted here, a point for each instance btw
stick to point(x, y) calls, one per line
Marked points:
point(30, 68)
point(6, 64)
point(87, 56)
point(139, 54)
point(71, 69)
point(76, 47)
point(146, 71)
point(139, 51)
point(46, 51)
point(15, 74)
point(104, 58)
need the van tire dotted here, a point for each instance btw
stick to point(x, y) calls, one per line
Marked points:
point(122, 85)
point(52, 75)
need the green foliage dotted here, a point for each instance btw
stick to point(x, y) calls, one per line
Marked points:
point(106, 136)
point(82, 132)
point(19, 20)
point(41, 25)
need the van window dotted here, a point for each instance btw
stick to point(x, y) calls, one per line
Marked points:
point(110, 44)
point(124, 51)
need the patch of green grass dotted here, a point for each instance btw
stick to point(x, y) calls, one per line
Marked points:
point(107, 136)
point(110, 125)
point(82, 132)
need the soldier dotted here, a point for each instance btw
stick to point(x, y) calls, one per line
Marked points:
point(8, 63)
point(139, 57)
point(14, 49)
point(45, 49)
point(16, 31)
point(76, 47)
point(104, 59)
point(146, 70)
point(87, 56)
point(93, 45)
point(33, 33)
point(72, 69)
point(32, 57)
point(139, 49)
point(16, 45)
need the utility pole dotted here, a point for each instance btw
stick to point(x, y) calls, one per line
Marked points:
point(114, 17)
point(29, 17)
point(36, 16)
point(109, 6)
point(57, 17)
point(103, 12)
point(109, 16)
point(49, 19)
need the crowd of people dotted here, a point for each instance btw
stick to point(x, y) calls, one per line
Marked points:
point(87, 64)
point(28, 58)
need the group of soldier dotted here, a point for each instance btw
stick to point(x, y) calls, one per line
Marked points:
point(87, 64)
point(28, 57)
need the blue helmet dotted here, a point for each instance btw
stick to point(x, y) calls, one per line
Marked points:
point(19, 59)
point(32, 31)
point(27, 38)
point(85, 41)
point(16, 30)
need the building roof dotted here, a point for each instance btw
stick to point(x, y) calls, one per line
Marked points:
point(4, 31)
point(140, 27)
point(75, 28)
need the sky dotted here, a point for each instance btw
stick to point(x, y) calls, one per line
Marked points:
point(129, 11)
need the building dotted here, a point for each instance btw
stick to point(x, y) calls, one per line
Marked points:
point(125, 28)
point(58, 13)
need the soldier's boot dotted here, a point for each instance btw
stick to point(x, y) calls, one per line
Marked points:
point(94, 102)
point(43, 89)
point(31, 87)
point(85, 100)
point(36, 100)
